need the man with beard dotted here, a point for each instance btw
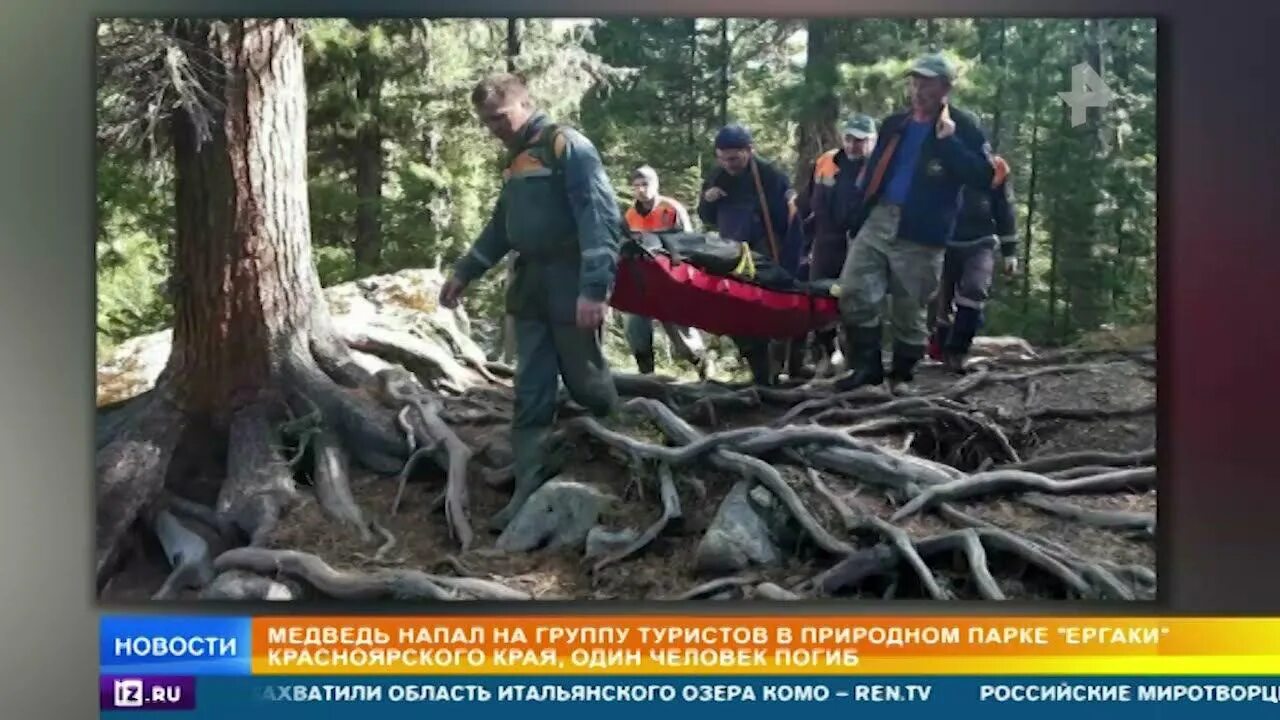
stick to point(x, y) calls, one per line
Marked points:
point(749, 200)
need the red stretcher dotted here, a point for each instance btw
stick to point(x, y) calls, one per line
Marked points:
point(652, 285)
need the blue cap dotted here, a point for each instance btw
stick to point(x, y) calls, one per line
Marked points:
point(733, 137)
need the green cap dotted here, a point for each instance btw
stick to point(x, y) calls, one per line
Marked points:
point(860, 126)
point(933, 65)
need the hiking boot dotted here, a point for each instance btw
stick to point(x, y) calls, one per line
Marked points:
point(644, 361)
point(905, 359)
point(954, 362)
point(867, 367)
point(761, 365)
point(960, 339)
point(824, 368)
point(796, 369)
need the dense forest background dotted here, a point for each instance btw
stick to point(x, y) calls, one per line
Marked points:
point(402, 175)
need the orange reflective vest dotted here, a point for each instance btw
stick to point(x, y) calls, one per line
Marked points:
point(663, 217)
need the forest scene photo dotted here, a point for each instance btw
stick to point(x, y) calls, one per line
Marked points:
point(286, 410)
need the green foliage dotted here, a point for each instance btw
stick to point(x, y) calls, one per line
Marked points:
point(654, 91)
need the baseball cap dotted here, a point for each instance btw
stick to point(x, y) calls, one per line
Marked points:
point(933, 65)
point(644, 172)
point(860, 126)
point(733, 137)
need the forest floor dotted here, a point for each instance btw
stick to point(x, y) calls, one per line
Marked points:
point(1030, 477)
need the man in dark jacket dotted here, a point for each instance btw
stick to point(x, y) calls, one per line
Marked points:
point(829, 208)
point(911, 191)
point(986, 221)
point(733, 202)
point(558, 211)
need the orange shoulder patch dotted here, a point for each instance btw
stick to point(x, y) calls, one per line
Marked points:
point(522, 163)
point(1001, 167)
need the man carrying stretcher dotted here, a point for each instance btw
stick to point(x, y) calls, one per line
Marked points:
point(749, 200)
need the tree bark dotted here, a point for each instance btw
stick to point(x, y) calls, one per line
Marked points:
point(1031, 212)
point(817, 131)
point(252, 330)
point(368, 156)
point(513, 43)
point(248, 294)
point(726, 58)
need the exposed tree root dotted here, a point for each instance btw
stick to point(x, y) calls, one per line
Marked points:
point(130, 471)
point(369, 409)
point(735, 462)
point(333, 486)
point(402, 479)
point(367, 429)
point(1067, 461)
point(193, 511)
point(1051, 413)
point(446, 448)
point(349, 585)
point(898, 537)
point(1114, 519)
point(1066, 564)
point(259, 487)
point(997, 481)
point(241, 585)
point(670, 513)
point(188, 555)
point(713, 587)
point(770, 591)
point(435, 365)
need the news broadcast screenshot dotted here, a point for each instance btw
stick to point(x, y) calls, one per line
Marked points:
point(634, 367)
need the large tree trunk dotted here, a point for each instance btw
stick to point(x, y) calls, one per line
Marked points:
point(817, 131)
point(726, 59)
point(249, 293)
point(368, 247)
point(513, 43)
point(252, 333)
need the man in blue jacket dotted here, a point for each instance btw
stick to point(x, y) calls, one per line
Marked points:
point(911, 191)
point(558, 212)
point(986, 222)
point(731, 203)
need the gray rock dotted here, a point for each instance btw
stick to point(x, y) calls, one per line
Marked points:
point(737, 538)
point(601, 542)
point(559, 514)
point(783, 528)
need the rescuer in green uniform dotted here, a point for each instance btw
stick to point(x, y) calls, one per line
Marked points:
point(558, 213)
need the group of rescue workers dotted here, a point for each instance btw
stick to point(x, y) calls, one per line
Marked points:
point(913, 210)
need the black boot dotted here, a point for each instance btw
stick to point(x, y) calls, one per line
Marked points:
point(761, 364)
point(905, 359)
point(955, 347)
point(645, 362)
point(796, 369)
point(866, 367)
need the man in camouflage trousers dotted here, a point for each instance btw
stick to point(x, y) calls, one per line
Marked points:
point(910, 186)
point(558, 211)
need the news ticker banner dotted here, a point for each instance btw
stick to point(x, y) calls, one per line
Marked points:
point(218, 665)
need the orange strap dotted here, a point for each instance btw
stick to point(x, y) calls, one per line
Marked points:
point(1001, 171)
point(881, 167)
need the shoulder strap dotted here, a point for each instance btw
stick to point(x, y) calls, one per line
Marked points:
point(553, 142)
point(764, 209)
